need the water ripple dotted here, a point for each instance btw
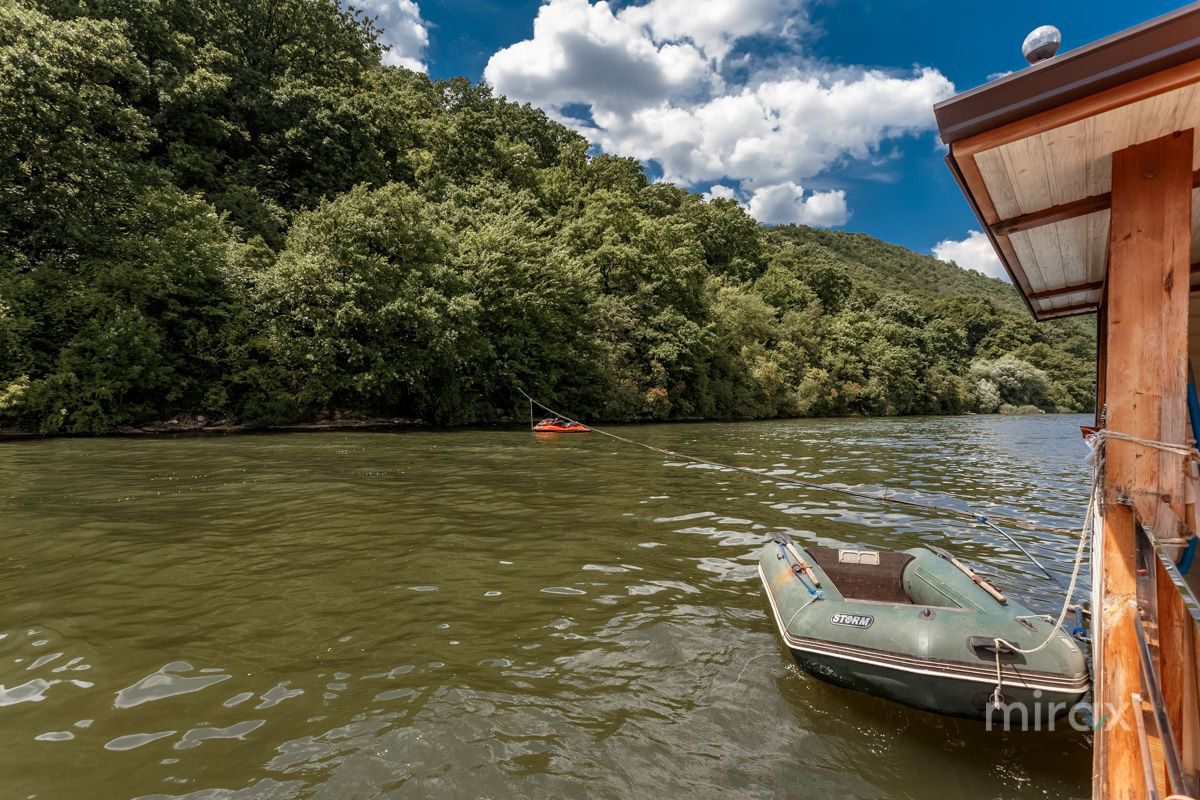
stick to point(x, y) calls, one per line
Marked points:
point(486, 613)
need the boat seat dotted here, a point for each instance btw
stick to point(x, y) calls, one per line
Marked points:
point(864, 574)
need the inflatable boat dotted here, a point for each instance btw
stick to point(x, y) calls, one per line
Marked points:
point(555, 425)
point(918, 627)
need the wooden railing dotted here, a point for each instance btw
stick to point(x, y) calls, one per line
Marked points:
point(1165, 712)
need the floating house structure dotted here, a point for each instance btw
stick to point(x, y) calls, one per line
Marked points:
point(1083, 172)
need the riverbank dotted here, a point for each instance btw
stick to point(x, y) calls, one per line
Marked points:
point(185, 425)
point(349, 421)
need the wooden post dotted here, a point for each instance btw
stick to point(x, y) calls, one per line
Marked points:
point(1117, 762)
point(1101, 355)
point(1145, 385)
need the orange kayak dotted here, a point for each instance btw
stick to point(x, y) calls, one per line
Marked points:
point(560, 426)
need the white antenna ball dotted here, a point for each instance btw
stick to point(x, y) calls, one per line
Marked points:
point(1041, 43)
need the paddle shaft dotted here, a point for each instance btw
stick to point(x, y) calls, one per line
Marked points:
point(996, 594)
point(808, 570)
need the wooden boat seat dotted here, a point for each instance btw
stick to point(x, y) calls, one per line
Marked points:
point(882, 582)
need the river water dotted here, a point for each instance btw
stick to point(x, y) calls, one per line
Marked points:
point(489, 613)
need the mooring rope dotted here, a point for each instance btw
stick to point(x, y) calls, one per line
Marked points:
point(1170, 447)
point(997, 695)
point(971, 516)
point(1097, 442)
point(815, 597)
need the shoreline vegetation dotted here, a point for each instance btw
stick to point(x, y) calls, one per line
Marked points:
point(199, 426)
point(235, 212)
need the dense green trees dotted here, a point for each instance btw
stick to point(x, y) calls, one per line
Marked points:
point(232, 209)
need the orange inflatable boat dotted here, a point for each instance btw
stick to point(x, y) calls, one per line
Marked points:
point(556, 425)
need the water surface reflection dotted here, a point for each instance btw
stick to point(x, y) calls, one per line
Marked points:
point(486, 613)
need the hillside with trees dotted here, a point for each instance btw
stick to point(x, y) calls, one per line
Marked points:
point(232, 209)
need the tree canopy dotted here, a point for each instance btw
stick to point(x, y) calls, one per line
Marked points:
point(234, 209)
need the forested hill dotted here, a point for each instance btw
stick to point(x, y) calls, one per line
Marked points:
point(231, 209)
point(872, 261)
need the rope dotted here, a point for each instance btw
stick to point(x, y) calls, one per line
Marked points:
point(972, 516)
point(815, 597)
point(997, 695)
point(1096, 442)
point(743, 670)
point(1170, 447)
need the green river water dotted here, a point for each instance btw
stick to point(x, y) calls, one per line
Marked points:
point(489, 613)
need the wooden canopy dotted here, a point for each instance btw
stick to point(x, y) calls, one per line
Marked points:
point(1033, 152)
point(1082, 170)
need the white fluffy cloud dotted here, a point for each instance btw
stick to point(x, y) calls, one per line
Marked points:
point(790, 128)
point(720, 192)
point(785, 203)
point(584, 53)
point(404, 32)
point(974, 252)
point(715, 25)
point(658, 81)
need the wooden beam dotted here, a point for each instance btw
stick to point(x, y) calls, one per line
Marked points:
point(1145, 393)
point(1116, 756)
point(1149, 252)
point(1175, 671)
point(1168, 80)
point(1074, 312)
point(1101, 357)
point(1062, 211)
point(970, 180)
point(1078, 308)
point(974, 179)
point(1058, 213)
point(1079, 287)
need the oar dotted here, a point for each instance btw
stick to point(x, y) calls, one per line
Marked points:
point(996, 594)
point(787, 546)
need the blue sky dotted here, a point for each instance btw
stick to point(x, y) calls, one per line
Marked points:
point(813, 111)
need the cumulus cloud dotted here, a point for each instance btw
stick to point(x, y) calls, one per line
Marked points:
point(791, 128)
point(584, 53)
point(784, 203)
point(404, 32)
point(721, 192)
point(658, 81)
point(714, 26)
point(974, 252)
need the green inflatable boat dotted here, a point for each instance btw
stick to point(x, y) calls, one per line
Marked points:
point(917, 627)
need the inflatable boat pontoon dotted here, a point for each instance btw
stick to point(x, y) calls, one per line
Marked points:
point(917, 627)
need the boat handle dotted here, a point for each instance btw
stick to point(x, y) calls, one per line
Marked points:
point(986, 646)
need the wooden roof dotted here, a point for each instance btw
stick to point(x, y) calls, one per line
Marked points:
point(1033, 152)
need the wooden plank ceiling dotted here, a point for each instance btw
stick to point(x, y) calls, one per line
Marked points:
point(1043, 184)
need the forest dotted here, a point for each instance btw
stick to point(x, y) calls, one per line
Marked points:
point(230, 209)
